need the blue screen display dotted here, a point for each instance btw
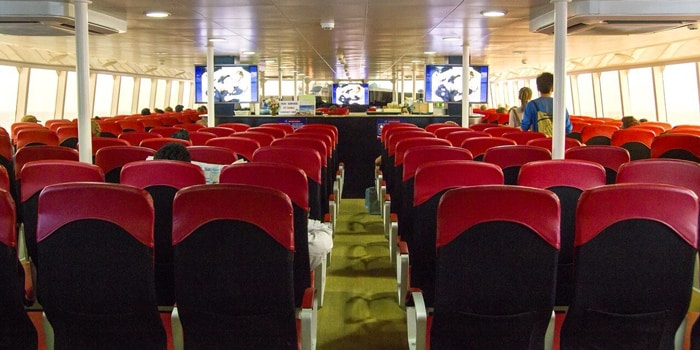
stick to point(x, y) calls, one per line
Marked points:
point(443, 83)
point(350, 93)
point(232, 83)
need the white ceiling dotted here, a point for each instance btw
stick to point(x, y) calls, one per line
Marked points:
point(375, 37)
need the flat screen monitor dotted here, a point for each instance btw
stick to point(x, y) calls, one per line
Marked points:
point(443, 83)
point(350, 94)
point(233, 83)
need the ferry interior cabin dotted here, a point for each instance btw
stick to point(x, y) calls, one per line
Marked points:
point(377, 174)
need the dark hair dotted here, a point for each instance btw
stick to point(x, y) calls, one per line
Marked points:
point(181, 134)
point(545, 83)
point(146, 111)
point(173, 151)
point(179, 108)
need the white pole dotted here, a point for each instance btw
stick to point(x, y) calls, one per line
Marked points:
point(465, 84)
point(211, 104)
point(82, 69)
point(559, 118)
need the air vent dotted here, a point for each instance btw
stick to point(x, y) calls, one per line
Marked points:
point(601, 17)
point(52, 18)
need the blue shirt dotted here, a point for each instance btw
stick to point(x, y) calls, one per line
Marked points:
point(544, 104)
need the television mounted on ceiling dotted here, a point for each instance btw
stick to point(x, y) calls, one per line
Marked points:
point(443, 83)
point(233, 83)
point(350, 94)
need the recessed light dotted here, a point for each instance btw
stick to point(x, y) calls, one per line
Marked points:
point(211, 40)
point(429, 52)
point(249, 52)
point(157, 14)
point(494, 13)
point(451, 38)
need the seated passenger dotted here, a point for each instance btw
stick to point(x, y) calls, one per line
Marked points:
point(176, 151)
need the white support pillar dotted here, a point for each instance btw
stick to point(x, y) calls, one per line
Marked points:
point(559, 121)
point(413, 80)
point(279, 81)
point(465, 84)
point(211, 106)
point(82, 69)
point(296, 86)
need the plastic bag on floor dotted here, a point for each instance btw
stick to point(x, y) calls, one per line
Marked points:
point(320, 242)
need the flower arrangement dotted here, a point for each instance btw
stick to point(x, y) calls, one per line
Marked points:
point(272, 104)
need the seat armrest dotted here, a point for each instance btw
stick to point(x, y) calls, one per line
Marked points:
point(416, 321)
point(402, 271)
point(308, 319)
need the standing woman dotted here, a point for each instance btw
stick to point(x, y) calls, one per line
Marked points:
point(516, 113)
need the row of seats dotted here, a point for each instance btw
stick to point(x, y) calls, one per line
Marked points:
point(240, 289)
point(165, 180)
point(451, 168)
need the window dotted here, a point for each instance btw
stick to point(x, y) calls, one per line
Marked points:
point(186, 98)
point(610, 94)
point(8, 95)
point(126, 95)
point(681, 94)
point(585, 95)
point(70, 107)
point(160, 93)
point(641, 86)
point(144, 94)
point(41, 100)
point(174, 93)
point(103, 95)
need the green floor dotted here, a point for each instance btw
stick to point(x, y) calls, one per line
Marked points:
point(360, 310)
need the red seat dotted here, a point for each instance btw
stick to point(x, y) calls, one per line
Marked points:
point(636, 141)
point(165, 131)
point(97, 262)
point(189, 127)
point(288, 129)
point(17, 330)
point(131, 125)
point(512, 158)
point(498, 131)
point(616, 225)
point(67, 135)
point(218, 131)
point(522, 137)
point(598, 134)
point(157, 143)
point(493, 246)
point(100, 142)
point(36, 175)
point(276, 133)
point(567, 178)
point(28, 154)
point(211, 154)
point(112, 158)
point(431, 180)
point(36, 136)
point(678, 146)
point(200, 138)
point(242, 146)
point(238, 127)
point(478, 145)
point(135, 137)
point(235, 234)
point(480, 127)
point(610, 157)
point(162, 179)
point(547, 143)
point(443, 132)
point(109, 127)
point(676, 172)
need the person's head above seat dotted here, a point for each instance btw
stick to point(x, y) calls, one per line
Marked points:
point(29, 119)
point(173, 151)
point(545, 83)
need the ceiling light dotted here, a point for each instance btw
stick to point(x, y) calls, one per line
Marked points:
point(494, 13)
point(429, 52)
point(249, 52)
point(451, 38)
point(211, 40)
point(157, 14)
